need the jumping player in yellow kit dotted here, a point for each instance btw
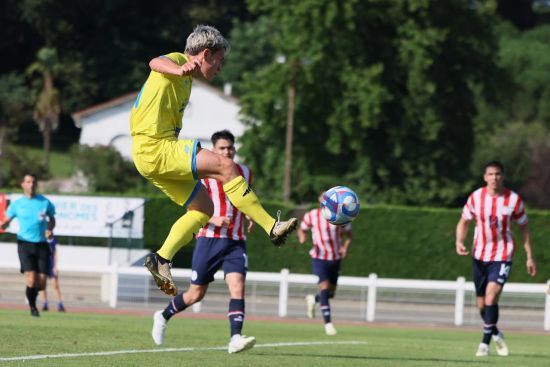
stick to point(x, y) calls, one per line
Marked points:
point(176, 166)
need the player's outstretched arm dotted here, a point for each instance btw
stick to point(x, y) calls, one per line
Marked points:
point(5, 223)
point(301, 236)
point(346, 237)
point(461, 232)
point(526, 237)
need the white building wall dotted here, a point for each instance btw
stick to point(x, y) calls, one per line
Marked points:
point(110, 126)
point(208, 111)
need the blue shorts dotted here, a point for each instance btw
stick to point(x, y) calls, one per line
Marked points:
point(212, 253)
point(51, 273)
point(326, 270)
point(493, 271)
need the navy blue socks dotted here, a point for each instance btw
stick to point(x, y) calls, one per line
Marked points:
point(490, 322)
point(176, 305)
point(236, 315)
point(324, 295)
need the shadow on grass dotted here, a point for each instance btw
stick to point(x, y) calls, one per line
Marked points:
point(523, 355)
point(374, 358)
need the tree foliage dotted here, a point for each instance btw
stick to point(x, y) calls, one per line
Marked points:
point(514, 124)
point(14, 97)
point(16, 162)
point(385, 98)
point(48, 105)
point(105, 168)
point(401, 99)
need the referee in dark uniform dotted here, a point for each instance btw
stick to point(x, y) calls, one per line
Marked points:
point(36, 217)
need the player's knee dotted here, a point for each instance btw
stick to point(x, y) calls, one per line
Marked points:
point(228, 169)
point(194, 296)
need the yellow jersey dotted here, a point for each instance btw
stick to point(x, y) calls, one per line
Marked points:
point(159, 106)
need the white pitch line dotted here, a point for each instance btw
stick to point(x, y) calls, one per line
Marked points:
point(163, 350)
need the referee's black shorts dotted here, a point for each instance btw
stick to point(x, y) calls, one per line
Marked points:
point(34, 256)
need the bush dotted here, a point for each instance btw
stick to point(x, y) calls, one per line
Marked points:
point(106, 169)
point(16, 162)
point(392, 241)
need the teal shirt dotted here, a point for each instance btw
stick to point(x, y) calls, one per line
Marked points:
point(32, 215)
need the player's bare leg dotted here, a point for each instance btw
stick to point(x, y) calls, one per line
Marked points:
point(199, 211)
point(241, 195)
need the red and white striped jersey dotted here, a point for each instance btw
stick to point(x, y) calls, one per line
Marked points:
point(224, 208)
point(327, 238)
point(493, 240)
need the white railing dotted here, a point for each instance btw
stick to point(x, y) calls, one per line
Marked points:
point(112, 290)
point(372, 283)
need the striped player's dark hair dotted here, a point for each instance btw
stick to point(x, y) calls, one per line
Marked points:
point(496, 164)
point(223, 134)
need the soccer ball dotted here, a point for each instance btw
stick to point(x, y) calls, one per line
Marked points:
point(340, 205)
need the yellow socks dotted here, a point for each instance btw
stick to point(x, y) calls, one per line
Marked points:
point(243, 197)
point(182, 232)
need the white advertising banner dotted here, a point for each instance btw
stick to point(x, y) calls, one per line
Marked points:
point(90, 216)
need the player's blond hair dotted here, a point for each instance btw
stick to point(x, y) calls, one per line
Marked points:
point(204, 36)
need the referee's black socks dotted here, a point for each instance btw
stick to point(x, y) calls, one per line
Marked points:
point(32, 293)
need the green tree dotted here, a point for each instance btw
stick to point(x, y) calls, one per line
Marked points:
point(251, 48)
point(513, 125)
point(48, 106)
point(384, 101)
point(112, 42)
point(14, 97)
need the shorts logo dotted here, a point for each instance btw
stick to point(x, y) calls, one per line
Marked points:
point(194, 275)
point(500, 280)
point(504, 270)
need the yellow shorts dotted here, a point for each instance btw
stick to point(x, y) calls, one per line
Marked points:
point(169, 164)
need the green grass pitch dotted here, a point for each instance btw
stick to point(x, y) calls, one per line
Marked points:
point(202, 342)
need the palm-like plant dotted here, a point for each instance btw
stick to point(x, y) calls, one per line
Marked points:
point(48, 107)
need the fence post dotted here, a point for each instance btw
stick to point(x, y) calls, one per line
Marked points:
point(459, 301)
point(371, 297)
point(547, 308)
point(113, 294)
point(196, 307)
point(283, 293)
